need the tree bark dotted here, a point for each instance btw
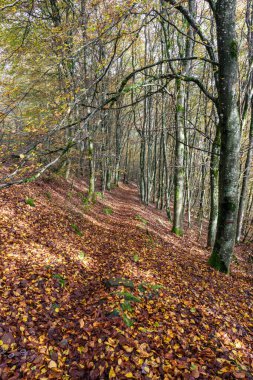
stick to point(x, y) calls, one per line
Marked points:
point(230, 135)
point(179, 176)
point(245, 181)
point(214, 187)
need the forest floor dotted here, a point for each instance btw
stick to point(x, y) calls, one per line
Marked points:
point(108, 292)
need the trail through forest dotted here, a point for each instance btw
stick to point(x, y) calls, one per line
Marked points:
point(106, 291)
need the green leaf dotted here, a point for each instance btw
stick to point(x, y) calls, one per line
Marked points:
point(81, 255)
point(127, 320)
point(30, 202)
point(129, 297)
point(76, 229)
point(141, 219)
point(119, 281)
point(60, 279)
point(108, 211)
point(114, 313)
point(126, 306)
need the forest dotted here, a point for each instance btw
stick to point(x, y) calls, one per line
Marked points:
point(126, 189)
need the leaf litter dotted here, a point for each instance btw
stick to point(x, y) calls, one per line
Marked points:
point(76, 303)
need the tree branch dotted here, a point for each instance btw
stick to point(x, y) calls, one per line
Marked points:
point(190, 18)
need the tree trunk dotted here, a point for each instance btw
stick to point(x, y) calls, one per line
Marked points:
point(91, 192)
point(214, 187)
point(179, 176)
point(230, 136)
point(245, 180)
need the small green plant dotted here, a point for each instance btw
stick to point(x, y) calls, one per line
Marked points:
point(127, 320)
point(114, 313)
point(76, 229)
point(108, 211)
point(156, 286)
point(56, 307)
point(85, 200)
point(99, 195)
point(126, 306)
point(48, 195)
point(136, 258)
point(129, 297)
point(141, 219)
point(61, 280)
point(119, 281)
point(30, 202)
point(69, 195)
point(82, 255)
point(150, 239)
point(149, 290)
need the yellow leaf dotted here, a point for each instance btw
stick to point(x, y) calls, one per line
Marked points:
point(57, 309)
point(112, 374)
point(111, 342)
point(41, 338)
point(146, 369)
point(52, 364)
point(238, 344)
point(1, 342)
point(128, 349)
point(129, 375)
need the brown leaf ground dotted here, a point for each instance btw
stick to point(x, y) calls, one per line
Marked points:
point(60, 319)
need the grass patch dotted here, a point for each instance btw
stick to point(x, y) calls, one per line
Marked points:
point(82, 255)
point(85, 200)
point(76, 229)
point(69, 195)
point(99, 195)
point(108, 211)
point(30, 202)
point(61, 279)
point(48, 195)
point(141, 219)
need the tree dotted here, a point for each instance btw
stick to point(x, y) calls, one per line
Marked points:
point(230, 135)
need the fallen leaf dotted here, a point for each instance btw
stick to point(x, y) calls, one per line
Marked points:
point(52, 364)
point(112, 373)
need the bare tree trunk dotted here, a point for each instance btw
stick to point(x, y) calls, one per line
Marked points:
point(214, 187)
point(91, 192)
point(245, 181)
point(179, 176)
point(230, 136)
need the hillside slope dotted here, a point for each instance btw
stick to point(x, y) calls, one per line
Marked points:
point(106, 291)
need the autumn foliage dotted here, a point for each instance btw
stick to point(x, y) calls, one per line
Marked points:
point(90, 294)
